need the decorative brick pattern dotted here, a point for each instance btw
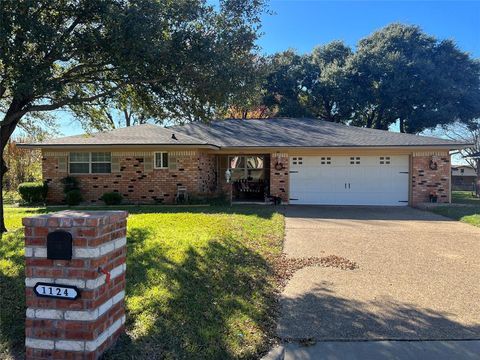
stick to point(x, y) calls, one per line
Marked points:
point(207, 177)
point(84, 328)
point(137, 182)
point(279, 177)
point(426, 180)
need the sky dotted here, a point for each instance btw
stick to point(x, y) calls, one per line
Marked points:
point(301, 25)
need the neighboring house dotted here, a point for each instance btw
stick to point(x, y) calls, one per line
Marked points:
point(464, 177)
point(302, 161)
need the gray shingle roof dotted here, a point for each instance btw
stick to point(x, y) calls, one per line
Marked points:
point(145, 134)
point(284, 132)
point(280, 132)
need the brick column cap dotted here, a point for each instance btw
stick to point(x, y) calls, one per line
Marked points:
point(76, 218)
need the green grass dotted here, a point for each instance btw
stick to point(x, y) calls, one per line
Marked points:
point(469, 213)
point(464, 197)
point(199, 283)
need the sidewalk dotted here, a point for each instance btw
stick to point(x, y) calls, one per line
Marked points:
point(378, 350)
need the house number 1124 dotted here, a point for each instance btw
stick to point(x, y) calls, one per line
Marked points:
point(56, 291)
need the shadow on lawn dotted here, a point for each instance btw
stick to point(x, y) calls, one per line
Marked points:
point(219, 302)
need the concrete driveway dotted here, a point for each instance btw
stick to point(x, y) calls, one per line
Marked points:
point(418, 276)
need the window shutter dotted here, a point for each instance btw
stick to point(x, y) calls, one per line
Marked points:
point(172, 162)
point(148, 163)
point(62, 163)
point(115, 164)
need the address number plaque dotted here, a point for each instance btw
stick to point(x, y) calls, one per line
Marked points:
point(56, 291)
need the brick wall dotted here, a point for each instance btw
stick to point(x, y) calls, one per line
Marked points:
point(207, 173)
point(135, 177)
point(279, 178)
point(83, 328)
point(425, 180)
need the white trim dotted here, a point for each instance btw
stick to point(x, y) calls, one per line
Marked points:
point(155, 160)
point(80, 252)
point(76, 345)
point(81, 284)
point(39, 343)
point(83, 315)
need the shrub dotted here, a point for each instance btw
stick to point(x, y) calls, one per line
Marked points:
point(11, 197)
point(33, 192)
point(73, 197)
point(70, 183)
point(112, 198)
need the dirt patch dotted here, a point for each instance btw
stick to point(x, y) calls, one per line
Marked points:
point(285, 267)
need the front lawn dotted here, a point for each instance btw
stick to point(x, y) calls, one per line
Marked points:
point(465, 197)
point(200, 283)
point(466, 208)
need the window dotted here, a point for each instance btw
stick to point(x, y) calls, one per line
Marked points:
point(79, 163)
point(246, 167)
point(326, 160)
point(384, 160)
point(297, 161)
point(101, 163)
point(354, 160)
point(90, 163)
point(161, 160)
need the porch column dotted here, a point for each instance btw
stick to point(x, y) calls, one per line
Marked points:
point(279, 175)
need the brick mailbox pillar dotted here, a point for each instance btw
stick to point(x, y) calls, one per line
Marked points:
point(75, 283)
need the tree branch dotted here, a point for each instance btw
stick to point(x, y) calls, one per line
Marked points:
point(71, 101)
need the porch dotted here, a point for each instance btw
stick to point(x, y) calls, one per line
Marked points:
point(251, 176)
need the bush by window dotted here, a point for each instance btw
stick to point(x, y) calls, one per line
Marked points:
point(73, 197)
point(112, 198)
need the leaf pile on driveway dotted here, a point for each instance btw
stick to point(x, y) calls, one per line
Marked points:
point(286, 267)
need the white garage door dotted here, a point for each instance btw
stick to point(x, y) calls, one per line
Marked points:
point(349, 180)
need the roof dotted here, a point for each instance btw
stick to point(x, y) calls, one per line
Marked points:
point(281, 132)
point(302, 132)
point(461, 166)
point(145, 134)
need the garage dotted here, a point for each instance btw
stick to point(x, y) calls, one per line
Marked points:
point(349, 180)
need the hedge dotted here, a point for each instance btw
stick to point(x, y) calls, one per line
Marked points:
point(73, 197)
point(112, 198)
point(33, 192)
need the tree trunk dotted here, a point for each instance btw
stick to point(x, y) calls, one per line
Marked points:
point(370, 118)
point(402, 125)
point(11, 120)
point(3, 170)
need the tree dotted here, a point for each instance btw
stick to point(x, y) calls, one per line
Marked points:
point(468, 133)
point(62, 54)
point(292, 85)
point(284, 93)
point(247, 101)
point(399, 73)
point(326, 82)
point(24, 165)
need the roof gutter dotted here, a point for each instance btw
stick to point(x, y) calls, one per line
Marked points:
point(454, 146)
point(446, 146)
point(93, 146)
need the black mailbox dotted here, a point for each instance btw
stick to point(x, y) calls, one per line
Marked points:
point(59, 245)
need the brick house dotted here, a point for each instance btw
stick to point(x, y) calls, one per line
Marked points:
point(464, 177)
point(301, 161)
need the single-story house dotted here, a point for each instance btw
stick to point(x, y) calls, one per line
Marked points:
point(301, 161)
point(464, 177)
